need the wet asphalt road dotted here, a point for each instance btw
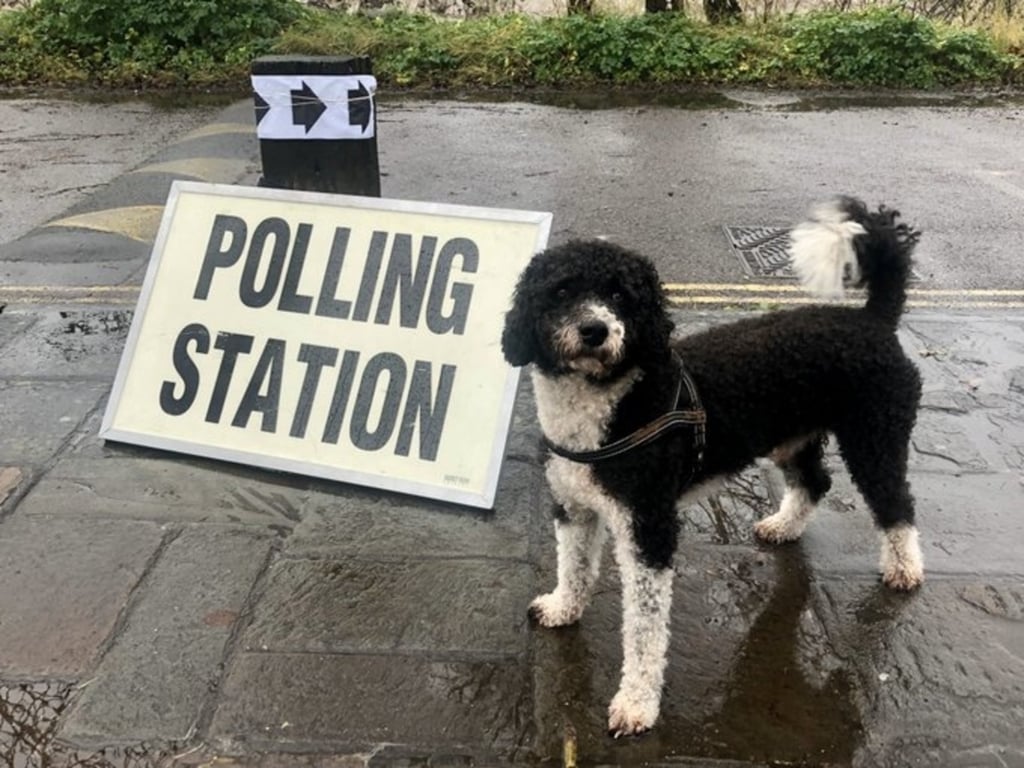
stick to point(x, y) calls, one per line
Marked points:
point(54, 153)
point(159, 608)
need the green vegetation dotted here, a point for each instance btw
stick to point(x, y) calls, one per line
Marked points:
point(211, 42)
point(132, 42)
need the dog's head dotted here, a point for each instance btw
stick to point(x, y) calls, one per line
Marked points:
point(590, 307)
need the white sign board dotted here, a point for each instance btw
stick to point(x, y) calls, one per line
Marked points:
point(351, 338)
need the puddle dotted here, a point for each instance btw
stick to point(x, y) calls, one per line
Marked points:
point(29, 714)
point(752, 675)
point(72, 336)
point(88, 323)
point(787, 697)
point(728, 516)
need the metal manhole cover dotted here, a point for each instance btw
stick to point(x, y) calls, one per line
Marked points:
point(763, 251)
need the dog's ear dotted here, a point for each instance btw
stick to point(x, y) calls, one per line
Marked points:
point(517, 339)
point(640, 281)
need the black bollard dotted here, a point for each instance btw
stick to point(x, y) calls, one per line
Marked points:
point(316, 120)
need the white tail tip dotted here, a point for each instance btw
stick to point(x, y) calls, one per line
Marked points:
point(822, 252)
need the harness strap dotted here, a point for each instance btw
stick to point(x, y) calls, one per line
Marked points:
point(694, 416)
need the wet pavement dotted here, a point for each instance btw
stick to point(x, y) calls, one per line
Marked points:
point(159, 610)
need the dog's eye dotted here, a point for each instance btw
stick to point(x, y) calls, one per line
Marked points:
point(617, 296)
point(562, 293)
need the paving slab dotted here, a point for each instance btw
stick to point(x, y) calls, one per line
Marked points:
point(942, 442)
point(168, 489)
point(65, 584)
point(38, 416)
point(412, 706)
point(442, 606)
point(524, 439)
point(362, 522)
point(980, 354)
point(942, 671)
point(968, 525)
point(154, 681)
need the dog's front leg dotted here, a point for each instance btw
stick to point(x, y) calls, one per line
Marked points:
point(580, 535)
point(646, 602)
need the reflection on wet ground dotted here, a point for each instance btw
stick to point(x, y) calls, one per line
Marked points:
point(66, 342)
point(753, 673)
point(728, 516)
point(29, 715)
point(89, 323)
point(775, 704)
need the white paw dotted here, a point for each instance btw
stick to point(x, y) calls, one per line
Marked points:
point(553, 610)
point(631, 715)
point(789, 522)
point(902, 565)
point(778, 528)
point(903, 579)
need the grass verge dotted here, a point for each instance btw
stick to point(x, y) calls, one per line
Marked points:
point(880, 46)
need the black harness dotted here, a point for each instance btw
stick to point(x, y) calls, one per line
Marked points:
point(694, 416)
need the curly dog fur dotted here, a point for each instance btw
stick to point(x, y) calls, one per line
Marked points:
point(591, 318)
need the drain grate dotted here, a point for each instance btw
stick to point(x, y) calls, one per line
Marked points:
point(763, 250)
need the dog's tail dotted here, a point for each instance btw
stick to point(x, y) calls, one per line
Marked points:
point(845, 242)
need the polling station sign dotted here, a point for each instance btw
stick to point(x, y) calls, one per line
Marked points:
point(350, 338)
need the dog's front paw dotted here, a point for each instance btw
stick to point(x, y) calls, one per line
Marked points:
point(630, 715)
point(554, 610)
point(778, 529)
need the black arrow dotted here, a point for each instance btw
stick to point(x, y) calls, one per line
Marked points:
point(306, 107)
point(261, 107)
point(360, 107)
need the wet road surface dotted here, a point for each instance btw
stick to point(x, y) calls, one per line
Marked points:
point(162, 610)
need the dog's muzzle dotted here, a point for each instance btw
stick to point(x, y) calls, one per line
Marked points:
point(590, 339)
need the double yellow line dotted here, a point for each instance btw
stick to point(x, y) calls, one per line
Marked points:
point(765, 296)
point(693, 295)
point(106, 295)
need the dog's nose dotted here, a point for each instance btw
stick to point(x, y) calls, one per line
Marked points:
point(593, 333)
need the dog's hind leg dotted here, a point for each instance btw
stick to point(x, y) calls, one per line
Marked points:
point(875, 449)
point(646, 604)
point(807, 480)
point(580, 535)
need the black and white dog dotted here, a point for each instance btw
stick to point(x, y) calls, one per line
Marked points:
point(636, 424)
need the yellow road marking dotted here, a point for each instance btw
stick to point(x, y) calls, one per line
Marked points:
point(216, 129)
point(69, 294)
point(120, 301)
point(793, 301)
point(941, 298)
point(70, 289)
point(766, 288)
point(202, 168)
point(138, 222)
